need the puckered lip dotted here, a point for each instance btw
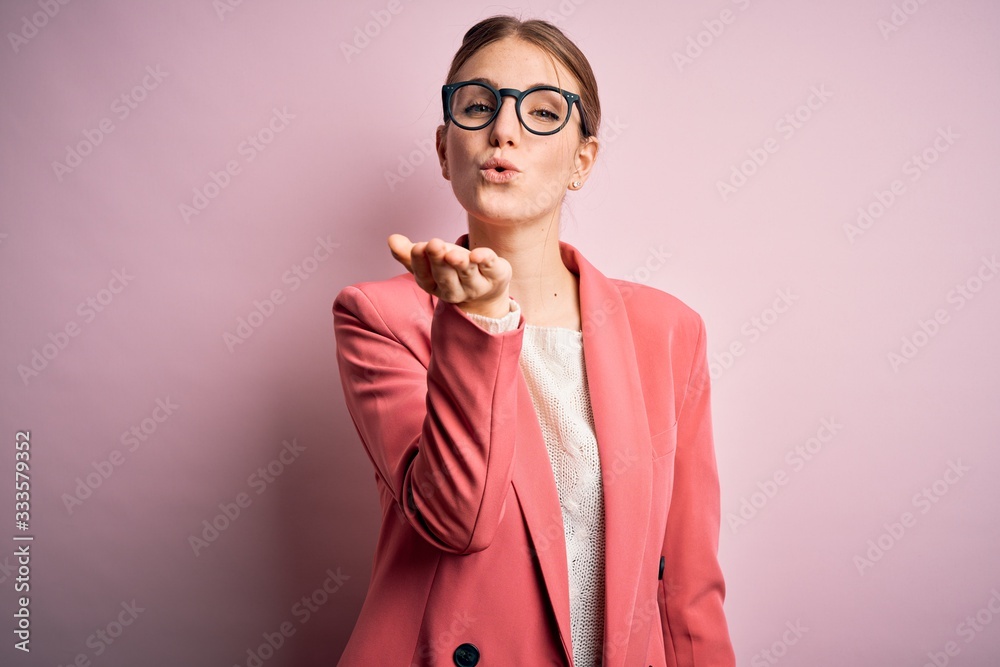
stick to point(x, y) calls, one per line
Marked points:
point(499, 163)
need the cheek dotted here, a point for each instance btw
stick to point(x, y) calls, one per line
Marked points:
point(459, 148)
point(558, 159)
point(552, 170)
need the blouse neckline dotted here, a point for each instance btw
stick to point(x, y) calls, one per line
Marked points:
point(553, 329)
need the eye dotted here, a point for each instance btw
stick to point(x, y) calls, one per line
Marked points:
point(473, 108)
point(545, 115)
point(546, 108)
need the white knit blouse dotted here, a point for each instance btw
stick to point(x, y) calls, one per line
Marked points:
point(552, 363)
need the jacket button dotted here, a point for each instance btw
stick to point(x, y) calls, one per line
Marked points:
point(466, 655)
point(660, 575)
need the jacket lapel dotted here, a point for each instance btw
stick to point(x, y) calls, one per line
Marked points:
point(623, 444)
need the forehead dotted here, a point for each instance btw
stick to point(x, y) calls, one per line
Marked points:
point(514, 63)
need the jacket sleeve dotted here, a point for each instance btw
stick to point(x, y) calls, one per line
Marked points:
point(440, 437)
point(695, 631)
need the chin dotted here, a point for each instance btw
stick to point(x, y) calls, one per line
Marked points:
point(502, 203)
point(498, 206)
point(495, 215)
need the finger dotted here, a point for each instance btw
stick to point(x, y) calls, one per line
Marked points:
point(485, 260)
point(400, 246)
point(458, 259)
point(420, 267)
point(468, 281)
point(492, 272)
point(445, 276)
point(467, 271)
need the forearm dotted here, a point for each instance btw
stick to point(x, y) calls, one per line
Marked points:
point(441, 438)
point(460, 479)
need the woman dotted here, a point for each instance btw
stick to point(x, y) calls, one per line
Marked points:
point(540, 433)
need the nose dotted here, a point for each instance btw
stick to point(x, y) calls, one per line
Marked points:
point(505, 128)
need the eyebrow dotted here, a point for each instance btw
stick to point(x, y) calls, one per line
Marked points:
point(493, 83)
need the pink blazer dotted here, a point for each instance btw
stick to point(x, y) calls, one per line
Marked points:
point(470, 565)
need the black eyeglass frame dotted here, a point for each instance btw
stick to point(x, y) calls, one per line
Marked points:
point(449, 89)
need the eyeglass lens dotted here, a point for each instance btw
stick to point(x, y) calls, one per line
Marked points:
point(473, 105)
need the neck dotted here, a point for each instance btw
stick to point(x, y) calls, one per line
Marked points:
point(546, 290)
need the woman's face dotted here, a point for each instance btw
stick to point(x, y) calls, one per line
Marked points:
point(546, 165)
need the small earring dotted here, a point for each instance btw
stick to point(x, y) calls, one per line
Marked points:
point(577, 184)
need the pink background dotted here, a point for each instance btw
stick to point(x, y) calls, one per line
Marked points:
point(330, 127)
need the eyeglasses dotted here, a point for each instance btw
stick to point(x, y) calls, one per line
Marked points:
point(472, 105)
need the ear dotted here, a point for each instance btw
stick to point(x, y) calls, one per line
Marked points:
point(585, 157)
point(442, 148)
